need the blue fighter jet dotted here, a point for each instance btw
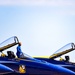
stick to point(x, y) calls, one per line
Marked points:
point(26, 65)
point(64, 57)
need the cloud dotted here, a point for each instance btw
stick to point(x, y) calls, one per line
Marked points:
point(38, 2)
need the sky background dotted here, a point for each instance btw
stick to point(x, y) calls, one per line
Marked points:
point(43, 26)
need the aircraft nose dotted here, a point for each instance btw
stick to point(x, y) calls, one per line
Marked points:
point(4, 69)
point(66, 71)
point(61, 70)
point(58, 70)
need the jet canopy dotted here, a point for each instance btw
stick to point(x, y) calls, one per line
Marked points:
point(64, 50)
point(12, 41)
point(9, 43)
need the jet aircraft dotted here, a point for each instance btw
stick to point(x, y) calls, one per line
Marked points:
point(62, 57)
point(26, 65)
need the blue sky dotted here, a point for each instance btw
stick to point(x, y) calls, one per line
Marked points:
point(43, 26)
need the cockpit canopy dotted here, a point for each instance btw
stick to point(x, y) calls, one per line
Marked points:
point(12, 41)
point(65, 50)
point(66, 47)
point(8, 44)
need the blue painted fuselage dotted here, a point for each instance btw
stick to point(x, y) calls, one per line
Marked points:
point(65, 64)
point(35, 67)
